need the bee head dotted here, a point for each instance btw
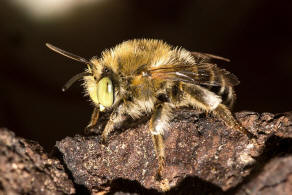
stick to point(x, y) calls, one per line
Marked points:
point(97, 81)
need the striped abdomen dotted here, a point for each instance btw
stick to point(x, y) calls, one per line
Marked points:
point(220, 82)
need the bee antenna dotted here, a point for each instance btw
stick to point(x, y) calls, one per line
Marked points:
point(74, 79)
point(67, 54)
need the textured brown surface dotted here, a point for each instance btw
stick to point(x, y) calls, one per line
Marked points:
point(274, 178)
point(26, 169)
point(201, 154)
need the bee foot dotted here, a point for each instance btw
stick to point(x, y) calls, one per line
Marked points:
point(89, 130)
point(158, 177)
point(103, 141)
point(246, 132)
point(164, 185)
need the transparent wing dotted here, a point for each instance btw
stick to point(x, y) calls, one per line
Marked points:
point(203, 74)
point(206, 56)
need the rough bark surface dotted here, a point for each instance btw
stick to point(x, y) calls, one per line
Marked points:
point(274, 178)
point(26, 169)
point(202, 156)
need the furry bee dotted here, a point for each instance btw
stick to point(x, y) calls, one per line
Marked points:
point(149, 77)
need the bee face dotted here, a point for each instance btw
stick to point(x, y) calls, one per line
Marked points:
point(99, 85)
point(149, 77)
point(101, 92)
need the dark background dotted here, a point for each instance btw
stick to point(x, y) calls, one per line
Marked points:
point(255, 35)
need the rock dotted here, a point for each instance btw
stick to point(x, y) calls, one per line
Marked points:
point(26, 169)
point(274, 178)
point(202, 155)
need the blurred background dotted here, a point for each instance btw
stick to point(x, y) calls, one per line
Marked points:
point(255, 35)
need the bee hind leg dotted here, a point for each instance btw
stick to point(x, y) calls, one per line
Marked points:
point(224, 114)
point(210, 102)
point(158, 123)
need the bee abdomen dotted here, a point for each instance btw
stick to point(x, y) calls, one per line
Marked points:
point(226, 92)
point(228, 96)
point(175, 92)
point(221, 82)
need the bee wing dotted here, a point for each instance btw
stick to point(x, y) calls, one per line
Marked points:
point(202, 74)
point(205, 56)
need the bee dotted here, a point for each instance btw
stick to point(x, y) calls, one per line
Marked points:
point(149, 77)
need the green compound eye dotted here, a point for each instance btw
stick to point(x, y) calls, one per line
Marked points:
point(105, 92)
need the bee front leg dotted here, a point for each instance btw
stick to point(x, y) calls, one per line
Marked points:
point(94, 118)
point(116, 117)
point(91, 127)
point(158, 123)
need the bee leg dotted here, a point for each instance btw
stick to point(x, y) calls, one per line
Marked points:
point(210, 102)
point(224, 113)
point(159, 149)
point(93, 120)
point(158, 123)
point(115, 118)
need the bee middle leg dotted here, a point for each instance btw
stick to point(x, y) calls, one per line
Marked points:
point(158, 123)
